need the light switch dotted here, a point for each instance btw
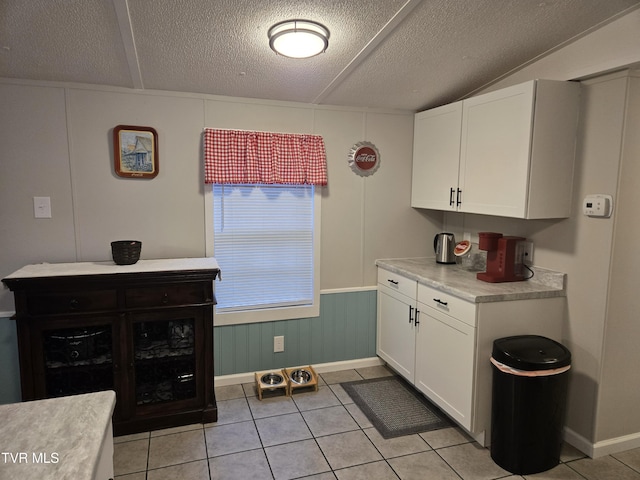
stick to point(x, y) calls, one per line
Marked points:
point(42, 207)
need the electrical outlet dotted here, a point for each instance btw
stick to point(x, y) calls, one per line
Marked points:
point(42, 207)
point(278, 344)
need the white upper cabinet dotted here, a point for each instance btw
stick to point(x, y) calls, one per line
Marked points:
point(436, 157)
point(516, 153)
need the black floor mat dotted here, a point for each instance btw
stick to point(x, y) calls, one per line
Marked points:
point(394, 407)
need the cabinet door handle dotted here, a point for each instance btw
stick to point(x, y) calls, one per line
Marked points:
point(410, 314)
point(393, 282)
point(451, 191)
point(458, 199)
point(437, 300)
point(417, 322)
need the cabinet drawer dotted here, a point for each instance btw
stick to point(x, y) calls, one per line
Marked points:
point(397, 282)
point(168, 295)
point(447, 303)
point(70, 302)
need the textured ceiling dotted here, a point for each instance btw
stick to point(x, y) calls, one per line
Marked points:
point(405, 54)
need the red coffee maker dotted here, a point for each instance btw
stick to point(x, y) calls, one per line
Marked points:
point(502, 264)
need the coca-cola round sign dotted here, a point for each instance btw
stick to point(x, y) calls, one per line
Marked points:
point(364, 158)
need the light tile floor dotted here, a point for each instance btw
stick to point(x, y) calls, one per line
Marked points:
point(324, 436)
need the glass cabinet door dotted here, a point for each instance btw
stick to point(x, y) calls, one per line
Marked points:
point(78, 360)
point(164, 358)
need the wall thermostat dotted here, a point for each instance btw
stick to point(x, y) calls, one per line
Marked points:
point(598, 205)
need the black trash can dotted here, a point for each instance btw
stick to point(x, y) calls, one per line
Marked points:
point(530, 375)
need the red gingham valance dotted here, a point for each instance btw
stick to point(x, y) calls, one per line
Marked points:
point(239, 156)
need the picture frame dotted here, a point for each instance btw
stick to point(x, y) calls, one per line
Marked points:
point(135, 151)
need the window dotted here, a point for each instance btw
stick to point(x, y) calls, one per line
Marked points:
point(265, 238)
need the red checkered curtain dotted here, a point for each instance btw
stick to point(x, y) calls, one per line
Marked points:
point(239, 156)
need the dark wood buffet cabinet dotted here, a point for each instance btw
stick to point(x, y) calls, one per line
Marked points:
point(143, 330)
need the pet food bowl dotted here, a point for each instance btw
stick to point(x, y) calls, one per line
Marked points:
point(300, 376)
point(271, 382)
point(271, 379)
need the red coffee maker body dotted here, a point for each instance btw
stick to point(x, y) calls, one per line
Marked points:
point(502, 264)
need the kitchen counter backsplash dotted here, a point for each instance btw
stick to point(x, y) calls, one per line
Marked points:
point(462, 282)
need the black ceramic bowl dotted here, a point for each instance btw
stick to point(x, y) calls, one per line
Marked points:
point(126, 252)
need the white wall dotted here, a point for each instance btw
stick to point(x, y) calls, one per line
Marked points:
point(57, 142)
point(619, 397)
point(34, 161)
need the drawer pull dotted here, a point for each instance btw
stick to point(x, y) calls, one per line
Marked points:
point(165, 298)
point(437, 300)
point(393, 282)
point(74, 304)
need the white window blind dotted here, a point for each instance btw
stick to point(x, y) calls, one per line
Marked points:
point(263, 240)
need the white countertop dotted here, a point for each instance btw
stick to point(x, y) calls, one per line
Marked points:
point(100, 268)
point(66, 432)
point(463, 283)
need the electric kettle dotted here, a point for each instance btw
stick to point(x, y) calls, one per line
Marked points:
point(443, 245)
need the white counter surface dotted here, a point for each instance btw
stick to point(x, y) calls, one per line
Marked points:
point(57, 438)
point(110, 268)
point(463, 283)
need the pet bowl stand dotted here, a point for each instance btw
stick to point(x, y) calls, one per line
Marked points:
point(313, 382)
point(261, 386)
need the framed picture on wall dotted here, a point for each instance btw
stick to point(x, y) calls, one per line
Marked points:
point(135, 151)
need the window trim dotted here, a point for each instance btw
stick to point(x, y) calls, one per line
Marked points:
point(268, 314)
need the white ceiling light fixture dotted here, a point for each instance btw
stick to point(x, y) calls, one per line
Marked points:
point(298, 38)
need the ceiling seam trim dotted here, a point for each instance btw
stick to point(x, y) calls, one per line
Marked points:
point(126, 33)
point(384, 32)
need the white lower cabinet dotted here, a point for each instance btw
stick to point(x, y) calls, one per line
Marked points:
point(396, 323)
point(445, 362)
point(445, 352)
point(442, 344)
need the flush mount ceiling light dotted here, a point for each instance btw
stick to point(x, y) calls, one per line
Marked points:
point(298, 38)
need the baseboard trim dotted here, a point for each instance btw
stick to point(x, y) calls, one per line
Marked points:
point(616, 445)
point(578, 441)
point(605, 447)
point(248, 377)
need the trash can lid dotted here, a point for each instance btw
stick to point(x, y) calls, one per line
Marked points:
point(531, 352)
